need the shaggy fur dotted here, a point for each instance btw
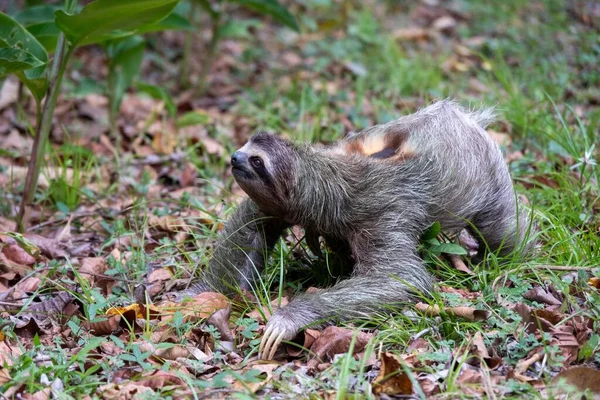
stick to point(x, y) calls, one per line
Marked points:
point(376, 191)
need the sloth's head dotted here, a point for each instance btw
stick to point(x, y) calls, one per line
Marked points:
point(264, 170)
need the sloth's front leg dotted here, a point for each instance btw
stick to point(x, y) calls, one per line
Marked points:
point(397, 278)
point(240, 252)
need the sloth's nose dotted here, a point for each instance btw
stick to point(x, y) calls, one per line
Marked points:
point(238, 158)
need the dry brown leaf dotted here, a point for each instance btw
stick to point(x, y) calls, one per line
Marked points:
point(337, 340)
point(213, 146)
point(444, 24)
point(541, 296)
point(198, 307)
point(582, 378)
point(159, 379)
point(8, 353)
point(309, 337)
point(524, 364)
point(594, 282)
point(220, 320)
point(188, 175)
point(468, 313)
point(459, 264)
point(104, 327)
point(136, 311)
point(392, 380)
point(51, 248)
point(4, 375)
point(160, 274)
point(45, 311)
point(418, 345)
point(16, 254)
point(412, 33)
point(129, 390)
point(266, 369)
point(91, 267)
point(28, 285)
point(173, 353)
point(564, 338)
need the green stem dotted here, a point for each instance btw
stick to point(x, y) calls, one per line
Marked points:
point(184, 79)
point(42, 130)
point(210, 54)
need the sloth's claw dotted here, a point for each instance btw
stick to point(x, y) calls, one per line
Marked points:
point(270, 343)
point(276, 332)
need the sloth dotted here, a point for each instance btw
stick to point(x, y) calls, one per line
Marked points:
point(372, 194)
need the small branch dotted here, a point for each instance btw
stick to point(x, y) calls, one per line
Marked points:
point(42, 131)
point(211, 51)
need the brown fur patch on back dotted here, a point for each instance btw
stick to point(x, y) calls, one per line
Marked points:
point(385, 145)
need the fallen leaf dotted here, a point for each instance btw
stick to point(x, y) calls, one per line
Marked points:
point(129, 390)
point(582, 378)
point(159, 379)
point(91, 267)
point(51, 248)
point(412, 33)
point(459, 264)
point(17, 254)
point(540, 295)
point(468, 313)
point(392, 380)
point(524, 364)
point(104, 327)
point(266, 374)
point(336, 340)
point(309, 336)
point(563, 337)
point(220, 320)
point(444, 24)
point(198, 307)
point(594, 282)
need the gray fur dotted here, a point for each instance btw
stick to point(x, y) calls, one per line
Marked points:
point(379, 207)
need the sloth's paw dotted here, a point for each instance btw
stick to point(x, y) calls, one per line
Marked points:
point(278, 329)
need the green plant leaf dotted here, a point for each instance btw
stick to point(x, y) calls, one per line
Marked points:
point(450, 248)
point(193, 118)
point(14, 36)
point(98, 20)
point(15, 60)
point(272, 8)
point(125, 60)
point(431, 232)
point(36, 14)
point(157, 92)
point(39, 20)
point(172, 22)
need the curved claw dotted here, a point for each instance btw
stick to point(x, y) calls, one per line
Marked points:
point(263, 341)
point(272, 345)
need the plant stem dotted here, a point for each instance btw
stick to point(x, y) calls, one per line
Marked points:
point(184, 78)
point(42, 130)
point(211, 49)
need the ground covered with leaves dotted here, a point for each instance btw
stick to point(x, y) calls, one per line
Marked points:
point(123, 215)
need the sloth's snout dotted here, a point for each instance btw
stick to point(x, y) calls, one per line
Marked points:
point(238, 159)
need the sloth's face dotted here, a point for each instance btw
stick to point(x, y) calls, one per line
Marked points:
point(263, 169)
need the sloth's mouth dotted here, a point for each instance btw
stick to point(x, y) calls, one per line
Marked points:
point(240, 172)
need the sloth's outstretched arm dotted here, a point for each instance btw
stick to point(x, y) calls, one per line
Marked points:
point(388, 273)
point(240, 252)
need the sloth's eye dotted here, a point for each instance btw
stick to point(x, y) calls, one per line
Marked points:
point(256, 162)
